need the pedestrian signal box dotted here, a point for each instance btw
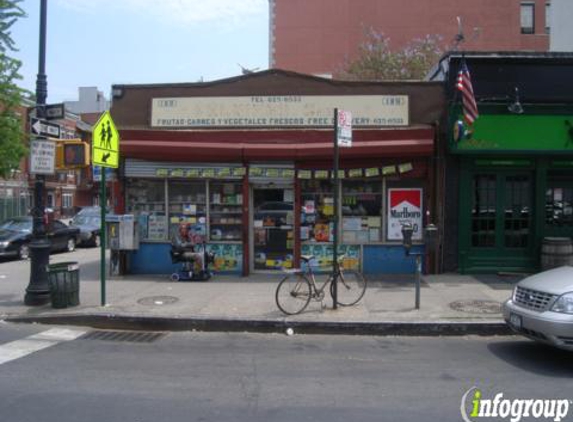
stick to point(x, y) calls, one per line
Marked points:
point(72, 153)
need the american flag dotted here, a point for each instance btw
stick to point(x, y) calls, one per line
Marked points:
point(464, 85)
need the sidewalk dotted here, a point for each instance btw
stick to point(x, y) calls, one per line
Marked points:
point(450, 304)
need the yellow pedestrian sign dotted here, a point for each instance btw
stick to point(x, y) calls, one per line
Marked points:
point(105, 142)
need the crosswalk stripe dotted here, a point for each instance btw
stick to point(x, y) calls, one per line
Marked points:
point(19, 348)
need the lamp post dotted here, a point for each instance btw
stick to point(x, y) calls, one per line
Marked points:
point(38, 290)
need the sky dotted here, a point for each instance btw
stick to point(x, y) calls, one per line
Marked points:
point(105, 42)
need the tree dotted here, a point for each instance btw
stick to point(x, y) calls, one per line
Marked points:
point(376, 61)
point(12, 148)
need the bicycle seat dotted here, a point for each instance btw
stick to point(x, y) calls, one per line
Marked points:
point(307, 258)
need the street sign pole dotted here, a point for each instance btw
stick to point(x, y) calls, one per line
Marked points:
point(38, 289)
point(105, 153)
point(103, 203)
point(335, 221)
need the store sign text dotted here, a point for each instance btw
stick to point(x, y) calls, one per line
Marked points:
point(279, 111)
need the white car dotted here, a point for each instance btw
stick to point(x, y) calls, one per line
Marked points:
point(541, 307)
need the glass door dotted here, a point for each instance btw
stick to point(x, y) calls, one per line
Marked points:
point(501, 219)
point(273, 227)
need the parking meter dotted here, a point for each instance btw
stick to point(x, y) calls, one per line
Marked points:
point(407, 232)
point(431, 236)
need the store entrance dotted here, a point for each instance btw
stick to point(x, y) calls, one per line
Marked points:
point(501, 222)
point(273, 227)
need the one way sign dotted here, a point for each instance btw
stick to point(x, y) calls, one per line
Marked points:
point(42, 128)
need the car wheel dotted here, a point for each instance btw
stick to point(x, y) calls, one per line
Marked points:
point(97, 241)
point(71, 245)
point(24, 252)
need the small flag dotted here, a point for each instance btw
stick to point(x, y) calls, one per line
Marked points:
point(464, 85)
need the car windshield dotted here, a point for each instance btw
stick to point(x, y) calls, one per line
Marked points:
point(17, 225)
point(87, 220)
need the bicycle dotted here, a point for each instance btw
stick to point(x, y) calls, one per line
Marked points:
point(295, 290)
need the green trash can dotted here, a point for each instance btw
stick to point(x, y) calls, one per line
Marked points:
point(64, 278)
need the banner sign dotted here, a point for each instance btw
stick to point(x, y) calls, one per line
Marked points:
point(278, 111)
point(404, 206)
point(279, 173)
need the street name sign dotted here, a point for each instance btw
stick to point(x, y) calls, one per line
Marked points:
point(54, 111)
point(105, 142)
point(42, 156)
point(42, 128)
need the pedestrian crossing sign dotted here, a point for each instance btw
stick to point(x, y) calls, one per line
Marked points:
point(105, 142)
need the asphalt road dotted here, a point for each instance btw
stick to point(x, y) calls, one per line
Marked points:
point(88, 257)
point(248, 377)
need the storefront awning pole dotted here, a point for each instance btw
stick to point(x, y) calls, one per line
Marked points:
point(335, 220)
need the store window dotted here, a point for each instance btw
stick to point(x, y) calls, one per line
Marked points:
point(559, 200)
point(317, 211)
point(225, 213)
point(188, 204)
point(361, 211)
point(527, 18)
point(146, 200)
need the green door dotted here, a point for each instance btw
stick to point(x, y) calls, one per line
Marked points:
point(500, 217)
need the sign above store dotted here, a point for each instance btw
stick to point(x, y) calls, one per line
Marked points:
point(278, 111)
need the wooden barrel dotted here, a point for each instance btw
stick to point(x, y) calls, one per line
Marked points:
point(556, 252)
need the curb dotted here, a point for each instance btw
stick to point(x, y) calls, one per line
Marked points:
point(141, 323)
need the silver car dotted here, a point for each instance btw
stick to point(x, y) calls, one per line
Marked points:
point(541, 307)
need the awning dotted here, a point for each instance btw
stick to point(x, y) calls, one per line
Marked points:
point(239, 146)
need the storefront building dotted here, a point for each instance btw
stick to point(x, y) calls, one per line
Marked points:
point(509, 177)
point(248, 163)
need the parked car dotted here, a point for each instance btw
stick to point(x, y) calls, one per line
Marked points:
point(16, 235)
point(90, 228)
point(91, 210)
point(541, 307)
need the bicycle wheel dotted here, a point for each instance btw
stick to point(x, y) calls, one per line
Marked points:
point(293, 294)
point(350, 289)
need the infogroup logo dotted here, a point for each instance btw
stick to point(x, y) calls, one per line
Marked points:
point(475, 407)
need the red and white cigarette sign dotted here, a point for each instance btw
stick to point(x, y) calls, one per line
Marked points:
point(404, 206)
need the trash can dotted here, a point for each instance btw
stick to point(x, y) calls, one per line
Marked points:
point(64, 279)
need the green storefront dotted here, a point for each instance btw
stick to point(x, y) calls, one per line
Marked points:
point(515, 186)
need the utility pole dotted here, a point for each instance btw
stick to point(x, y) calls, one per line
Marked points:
point(38, 290)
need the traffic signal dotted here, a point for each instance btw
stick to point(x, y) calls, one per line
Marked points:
point(72, 153)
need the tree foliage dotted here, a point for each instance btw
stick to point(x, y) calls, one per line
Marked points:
point(12, 147)
point(377, 62)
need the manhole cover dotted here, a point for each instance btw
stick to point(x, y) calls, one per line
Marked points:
point(157, 300)
point(477, 306)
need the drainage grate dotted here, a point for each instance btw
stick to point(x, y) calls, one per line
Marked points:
point(127, 336)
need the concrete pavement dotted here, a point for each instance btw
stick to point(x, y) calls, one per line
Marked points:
point(450, 304)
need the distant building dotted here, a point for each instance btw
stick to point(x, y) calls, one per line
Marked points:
point(91, 100)
point(317, 36)
point(561, 29)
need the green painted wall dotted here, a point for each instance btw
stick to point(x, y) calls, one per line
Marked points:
point(513, 133)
